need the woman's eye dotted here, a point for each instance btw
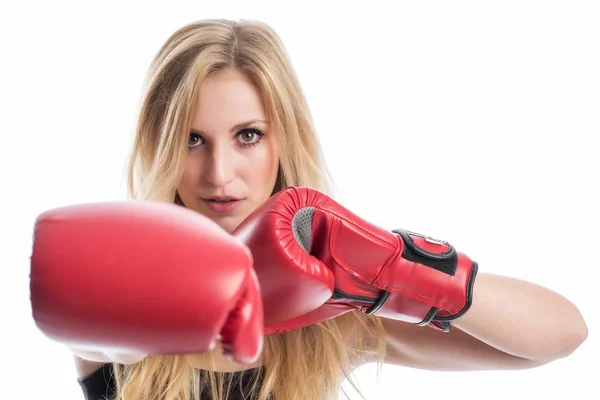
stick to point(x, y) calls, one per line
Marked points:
point(250, 137)
point(195, 140)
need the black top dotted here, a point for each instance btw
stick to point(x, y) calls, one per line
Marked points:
point(101, 385)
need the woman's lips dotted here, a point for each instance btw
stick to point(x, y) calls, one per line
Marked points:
point(222, 206)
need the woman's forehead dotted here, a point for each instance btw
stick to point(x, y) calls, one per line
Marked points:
point(226, 100)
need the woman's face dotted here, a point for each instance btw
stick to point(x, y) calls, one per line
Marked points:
point(232, 161)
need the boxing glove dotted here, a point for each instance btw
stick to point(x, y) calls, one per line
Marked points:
point(316, 260)
point(139, 277)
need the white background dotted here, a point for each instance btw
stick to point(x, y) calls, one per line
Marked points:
point(475, 122)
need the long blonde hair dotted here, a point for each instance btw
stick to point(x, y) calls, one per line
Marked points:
point(309, 363)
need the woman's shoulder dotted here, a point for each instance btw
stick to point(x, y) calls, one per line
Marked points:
point(100, 384)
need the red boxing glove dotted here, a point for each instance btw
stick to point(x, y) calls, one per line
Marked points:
point(316, 260)
point(143, 277)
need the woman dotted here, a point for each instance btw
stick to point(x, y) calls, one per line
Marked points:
point(224, 118)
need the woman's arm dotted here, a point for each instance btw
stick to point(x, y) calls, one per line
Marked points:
point(512, 324)
point(87, 362)
point(85, 367)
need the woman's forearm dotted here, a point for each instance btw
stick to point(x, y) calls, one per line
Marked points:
point(522, 319)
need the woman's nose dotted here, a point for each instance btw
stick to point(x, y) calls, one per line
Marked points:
point(220, 169)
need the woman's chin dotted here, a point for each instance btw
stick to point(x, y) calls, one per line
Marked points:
point(228, 223)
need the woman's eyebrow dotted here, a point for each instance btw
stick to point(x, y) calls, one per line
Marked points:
point(247, 124)
point(236, 127)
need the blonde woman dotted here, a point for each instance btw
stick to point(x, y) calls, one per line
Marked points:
point(224, 130)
